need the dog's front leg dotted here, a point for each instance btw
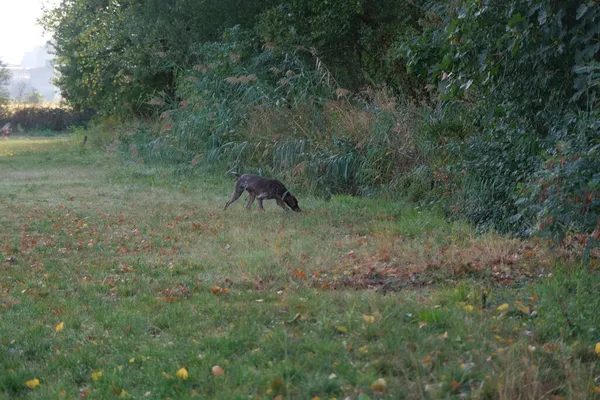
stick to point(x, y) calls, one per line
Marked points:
point(260, 204)
point(281, 204)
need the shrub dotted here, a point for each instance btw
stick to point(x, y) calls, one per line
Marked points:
point(31, 118)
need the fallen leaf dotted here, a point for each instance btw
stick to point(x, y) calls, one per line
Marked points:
point(32, 383)
point(503, 307)
point(444, 336)
point(379, 385)
point(427, 359)
point(521, 307)
point(166, 375)
point(96, 375)
point(454, 385)
point(182, 374)
point(217, 371)
point(598, 348)
point(369, 319)
point(468, 307)
point(342, 329)
point(597, 389)
point(59, 327)
point(132, 360)
point(364, 349)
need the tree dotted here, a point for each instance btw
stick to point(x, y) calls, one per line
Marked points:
point(34, 97)
point(116, 55)
point(5, 77)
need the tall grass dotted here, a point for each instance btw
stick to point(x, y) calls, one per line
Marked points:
point(280, 114)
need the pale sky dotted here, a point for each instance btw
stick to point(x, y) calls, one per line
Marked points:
point(19, 32)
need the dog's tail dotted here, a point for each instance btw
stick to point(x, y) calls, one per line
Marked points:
point(234, 173)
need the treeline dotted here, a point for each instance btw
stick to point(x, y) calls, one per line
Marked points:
point(27, 118)
point(489, 108)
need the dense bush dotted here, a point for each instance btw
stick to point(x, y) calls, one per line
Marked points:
point(525, 71)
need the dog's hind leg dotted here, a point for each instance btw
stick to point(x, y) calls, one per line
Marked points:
point(236, 195)
point(250, 200)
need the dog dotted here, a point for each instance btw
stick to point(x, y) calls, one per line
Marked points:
point(262, 189)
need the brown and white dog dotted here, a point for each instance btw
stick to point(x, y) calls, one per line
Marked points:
point(262, 189)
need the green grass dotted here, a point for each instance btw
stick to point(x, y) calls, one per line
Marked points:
point(149, 275)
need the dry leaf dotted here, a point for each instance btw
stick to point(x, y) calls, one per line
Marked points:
point(59, 327)
point(468, 307)
point(521, 307)
point(96, 375)
point(182, 374)
point(598, 348)
point(379, 385)
point(369, 319)
point(32, 383)
point(503, 307)
point(217, 371)
point(342, 329)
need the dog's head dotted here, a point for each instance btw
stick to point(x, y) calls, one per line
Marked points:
point(292, 202)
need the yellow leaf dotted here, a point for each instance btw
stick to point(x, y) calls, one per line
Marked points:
point(598, 348)
point(166, 375)
point(503, 307)
point(32, 383)
point(182, 374)
point(369, 319)
point(123, 394)
point(597, 389)
point(521, 307)
point(379, 385)
point(217, 371)
point(132, 360)
point(316, 398)
point(363, 349)
point(444, 336)
point(59, 327)
point(468, 307)
point(96, 375)
point(342, 329)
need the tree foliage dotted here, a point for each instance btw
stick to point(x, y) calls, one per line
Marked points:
point(527, 71)
point(5, 77)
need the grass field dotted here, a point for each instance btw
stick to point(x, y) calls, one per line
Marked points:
point(118, 281)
